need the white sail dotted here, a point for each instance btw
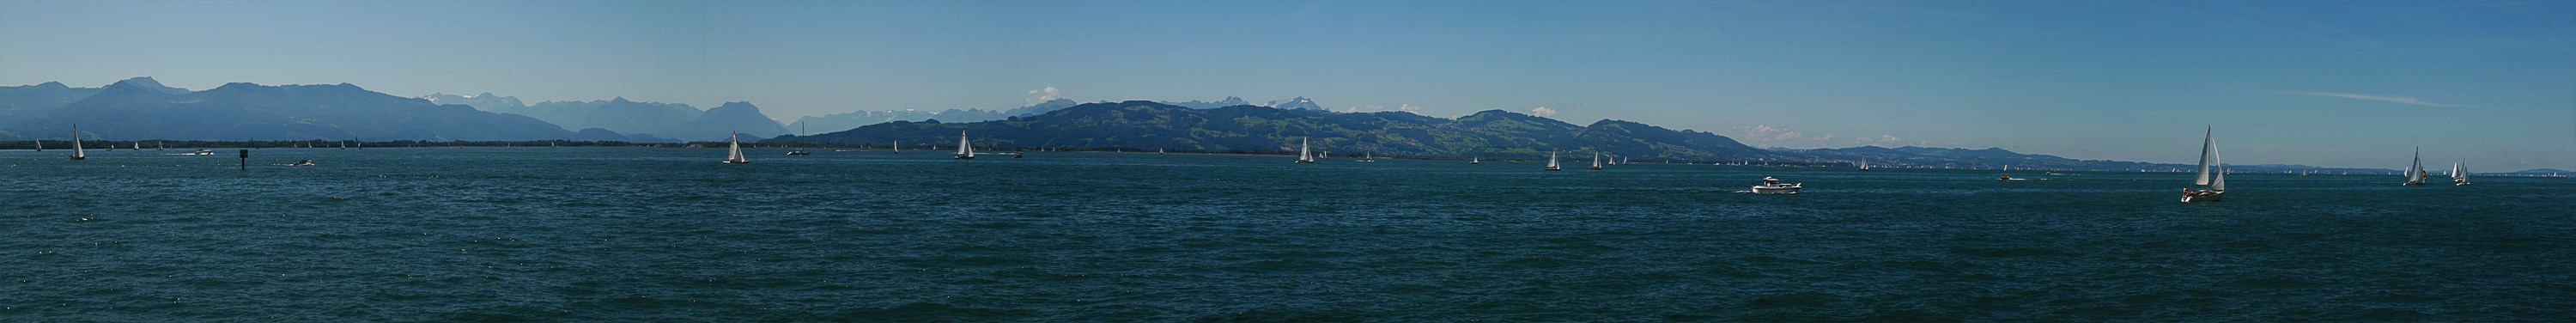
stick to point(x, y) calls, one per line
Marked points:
point(2455, 170)
point(1551, 160)
point(2415, 172)
point(2208, 155)
point(733, 149)
point(964, 148)
point(1596, 160)
point(2219, 182)
point(76, 147)
point(2460, 171)
point(1302, 155)
point(1864, 163)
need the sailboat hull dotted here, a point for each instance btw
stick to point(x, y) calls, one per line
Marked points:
point(1777, 189)
point(2208, 197)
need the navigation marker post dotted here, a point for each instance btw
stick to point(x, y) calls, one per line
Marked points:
point(245, 159)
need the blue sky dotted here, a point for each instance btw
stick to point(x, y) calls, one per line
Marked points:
point(2344, 84)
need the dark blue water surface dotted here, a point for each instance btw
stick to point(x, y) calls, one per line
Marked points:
point(645, 234)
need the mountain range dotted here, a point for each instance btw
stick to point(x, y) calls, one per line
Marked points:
point(142, 108)
point(671, 120)
point(1247, 128)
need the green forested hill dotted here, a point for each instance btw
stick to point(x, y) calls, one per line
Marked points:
point(1147, 125)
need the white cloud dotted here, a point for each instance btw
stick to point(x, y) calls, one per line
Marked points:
point(1768, 133)
point(1375, 108)
point(2390, 99)
point(1881, 140)
point(1045, 94)
point(1542, 111)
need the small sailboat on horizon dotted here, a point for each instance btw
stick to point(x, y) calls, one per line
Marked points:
point(2415, 172)
point(1551, 161)
point(1302, 155)
point(2217, 184)
point(1864, 163)
point(965, 150)
point(1596, 161)
point(733, 150)
point(2460, 172)
point(76, 147)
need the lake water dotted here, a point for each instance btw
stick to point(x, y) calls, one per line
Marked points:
point(646, 234)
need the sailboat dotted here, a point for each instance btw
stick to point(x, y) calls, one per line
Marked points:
point(733, 150)
point(2415, 173)
point(40, 145)
point(1473, 160)
point(964, 150)
point(1369, 157)
point(1596, 161)
point(2460, 172)
point(897, 147)
point(1864, 163)
point(2217, 185)
point(138, 145)
point(156, 145)
point(1302, 156)
point(76, 149)
point(1551, 161)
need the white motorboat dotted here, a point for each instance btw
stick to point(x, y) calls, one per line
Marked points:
point(1774, 186)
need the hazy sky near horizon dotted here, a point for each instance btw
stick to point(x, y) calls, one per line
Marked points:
point(2327, 83)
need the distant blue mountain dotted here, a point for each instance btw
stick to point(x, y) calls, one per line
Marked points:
point(673, 120)
point(141, 109)
point(854, 119)
point(2542, 171)
point(1196, 104)
point(1246, 128)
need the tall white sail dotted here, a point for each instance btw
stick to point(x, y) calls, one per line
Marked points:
point(1551, 160)
point(2460, 171)
point(733, 149)
point(1302, 155)
point(2219, 183)
point(2455, 170)
point(2415, 172)
point(76, 147)
point(964, 149)
point(2208, 155)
